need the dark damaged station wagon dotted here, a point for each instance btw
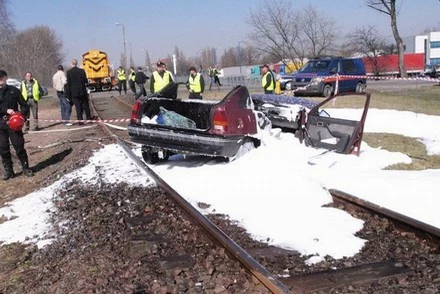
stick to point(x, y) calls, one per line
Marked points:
point(165, 125)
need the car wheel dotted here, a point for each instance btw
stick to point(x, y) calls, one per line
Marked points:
point(359, 87)
point(327, 91)
point(150, 157)
point(288, 86)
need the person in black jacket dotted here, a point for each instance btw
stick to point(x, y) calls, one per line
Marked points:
point(10, 98)
point(77, 91)
point(140, 79)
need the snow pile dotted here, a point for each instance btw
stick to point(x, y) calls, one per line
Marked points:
point(29, 215)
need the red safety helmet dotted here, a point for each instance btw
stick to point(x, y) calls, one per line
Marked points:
point(16, 121)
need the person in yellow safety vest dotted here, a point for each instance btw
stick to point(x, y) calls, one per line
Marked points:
point(122, 80)
point(268, 80)
point(31, 91)
point(131, 78)
point(195, 84)
point(160, 78)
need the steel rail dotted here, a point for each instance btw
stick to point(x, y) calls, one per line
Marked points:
point(255, 268)
point(413, 223)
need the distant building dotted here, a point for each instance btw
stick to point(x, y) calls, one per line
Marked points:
point(428, 44)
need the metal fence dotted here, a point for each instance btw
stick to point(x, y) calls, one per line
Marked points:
point(231, 81)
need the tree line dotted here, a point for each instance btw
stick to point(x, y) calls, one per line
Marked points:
point(37, 49)
point(279, 31)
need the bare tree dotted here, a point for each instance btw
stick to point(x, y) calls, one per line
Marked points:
point(229, 58)
point(236, 56)
point(365, 40)
point(207, 57)
point(281, 31)
point(317, 32)
point(388, 7)
point(7, 32)
point(148, 62)
point(37, 50)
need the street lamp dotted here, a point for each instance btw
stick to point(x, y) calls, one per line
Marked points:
point(125, 46)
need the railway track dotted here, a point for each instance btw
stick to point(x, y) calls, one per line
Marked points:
point(277, 269)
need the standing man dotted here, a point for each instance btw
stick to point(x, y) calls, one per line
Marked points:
point(31, 92)
point(213, 73)
point(141, 79)
point(131, 80)
point(10, 98)
point(59, 82)
point(195, 84)
point(268, 80)
point(160, 78)
point(122, 80)
point(76, 84)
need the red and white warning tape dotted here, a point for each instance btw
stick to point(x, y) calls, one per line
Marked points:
point(87, 121)
point(388, 78)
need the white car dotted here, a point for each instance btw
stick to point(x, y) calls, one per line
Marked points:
point(16, 83)
point(13, 82)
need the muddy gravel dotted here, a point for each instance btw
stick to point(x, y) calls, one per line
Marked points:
point(119, 239)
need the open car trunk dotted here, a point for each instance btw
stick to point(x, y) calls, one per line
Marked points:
point(166, 125)
point(197, 111)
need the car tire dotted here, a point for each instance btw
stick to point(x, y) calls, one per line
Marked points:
point(327, 91)
point(288, 86)
point(150, 157)
point(359, 87)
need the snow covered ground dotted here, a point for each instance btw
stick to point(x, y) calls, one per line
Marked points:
point(277, 191)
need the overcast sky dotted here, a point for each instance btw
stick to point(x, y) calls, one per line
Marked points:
point(192, 25)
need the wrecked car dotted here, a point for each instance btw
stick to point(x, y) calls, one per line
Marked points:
point(312, 124)
point(165, 125)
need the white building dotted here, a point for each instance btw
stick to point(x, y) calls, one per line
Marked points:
point(428, 44)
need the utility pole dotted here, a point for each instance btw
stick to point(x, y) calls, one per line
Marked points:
point(125, 45)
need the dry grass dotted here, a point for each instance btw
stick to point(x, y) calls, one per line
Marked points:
point(423, 100)
point(409, 146)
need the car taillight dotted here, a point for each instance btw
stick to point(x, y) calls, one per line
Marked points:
point(135, 117)
point(220, 122)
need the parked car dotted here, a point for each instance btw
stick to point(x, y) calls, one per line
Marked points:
point(16, 83)
point(285, 81)
point(431, 71)
point(317, 76)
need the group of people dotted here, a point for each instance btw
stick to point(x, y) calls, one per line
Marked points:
point(160, 78)
point(71, 90)
point(138, 78)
